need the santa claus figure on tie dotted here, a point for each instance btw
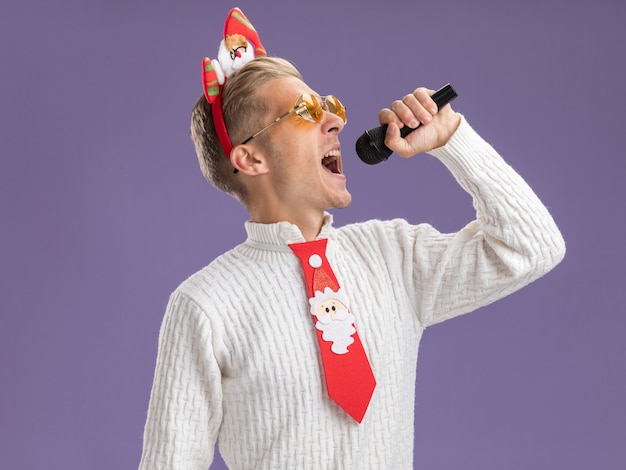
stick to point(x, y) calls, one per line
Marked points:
point(334, 319)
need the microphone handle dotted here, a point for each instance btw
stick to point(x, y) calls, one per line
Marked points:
point(371, 148)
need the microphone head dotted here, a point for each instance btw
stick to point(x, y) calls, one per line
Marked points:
point(371, 148)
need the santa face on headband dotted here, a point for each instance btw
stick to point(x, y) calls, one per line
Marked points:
point(234, 52)
point(334, 319)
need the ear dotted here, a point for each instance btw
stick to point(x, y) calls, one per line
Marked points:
point(248, 160)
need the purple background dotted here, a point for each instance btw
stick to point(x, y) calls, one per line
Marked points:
point(104, 211)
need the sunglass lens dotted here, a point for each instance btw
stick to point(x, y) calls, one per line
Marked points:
point(335, 107)
point(314, 106)
point(309, 107)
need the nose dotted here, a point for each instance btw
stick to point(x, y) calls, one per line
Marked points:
point(332, 123)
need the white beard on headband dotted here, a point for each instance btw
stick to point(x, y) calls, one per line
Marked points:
point(234, 52)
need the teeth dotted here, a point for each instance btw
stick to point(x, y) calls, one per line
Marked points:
point(331, 161)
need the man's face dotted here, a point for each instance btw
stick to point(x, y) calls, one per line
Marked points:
point(305, 161)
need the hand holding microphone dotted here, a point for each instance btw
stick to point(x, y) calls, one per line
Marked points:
point(371, 148)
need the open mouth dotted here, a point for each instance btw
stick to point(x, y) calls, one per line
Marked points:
point(331, 161)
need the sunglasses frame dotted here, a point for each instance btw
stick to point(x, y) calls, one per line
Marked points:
point(301, 109)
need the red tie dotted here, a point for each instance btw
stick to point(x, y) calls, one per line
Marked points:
point(349, 378)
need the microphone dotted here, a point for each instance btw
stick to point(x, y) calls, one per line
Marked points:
point(371, 148)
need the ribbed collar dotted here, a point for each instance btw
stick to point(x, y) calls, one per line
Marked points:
point(280, 234)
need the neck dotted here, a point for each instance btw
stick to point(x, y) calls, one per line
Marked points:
point(309, 222)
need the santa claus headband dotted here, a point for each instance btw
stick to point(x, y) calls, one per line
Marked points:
point(240, 45)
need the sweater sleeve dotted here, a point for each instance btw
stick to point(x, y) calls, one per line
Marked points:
point(185, 408)
point(512, 242)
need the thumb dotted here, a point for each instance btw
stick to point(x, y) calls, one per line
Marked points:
point(395, 142)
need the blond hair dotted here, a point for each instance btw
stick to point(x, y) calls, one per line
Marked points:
point(243, 111)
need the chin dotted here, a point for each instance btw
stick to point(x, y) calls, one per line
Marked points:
point(343, 202)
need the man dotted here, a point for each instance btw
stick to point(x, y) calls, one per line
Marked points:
point(239, 357)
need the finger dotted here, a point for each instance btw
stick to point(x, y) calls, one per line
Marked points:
point(412, 109)
point(424, 96)
point(387, 116)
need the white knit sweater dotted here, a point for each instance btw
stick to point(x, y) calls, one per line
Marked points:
point(238, 356)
